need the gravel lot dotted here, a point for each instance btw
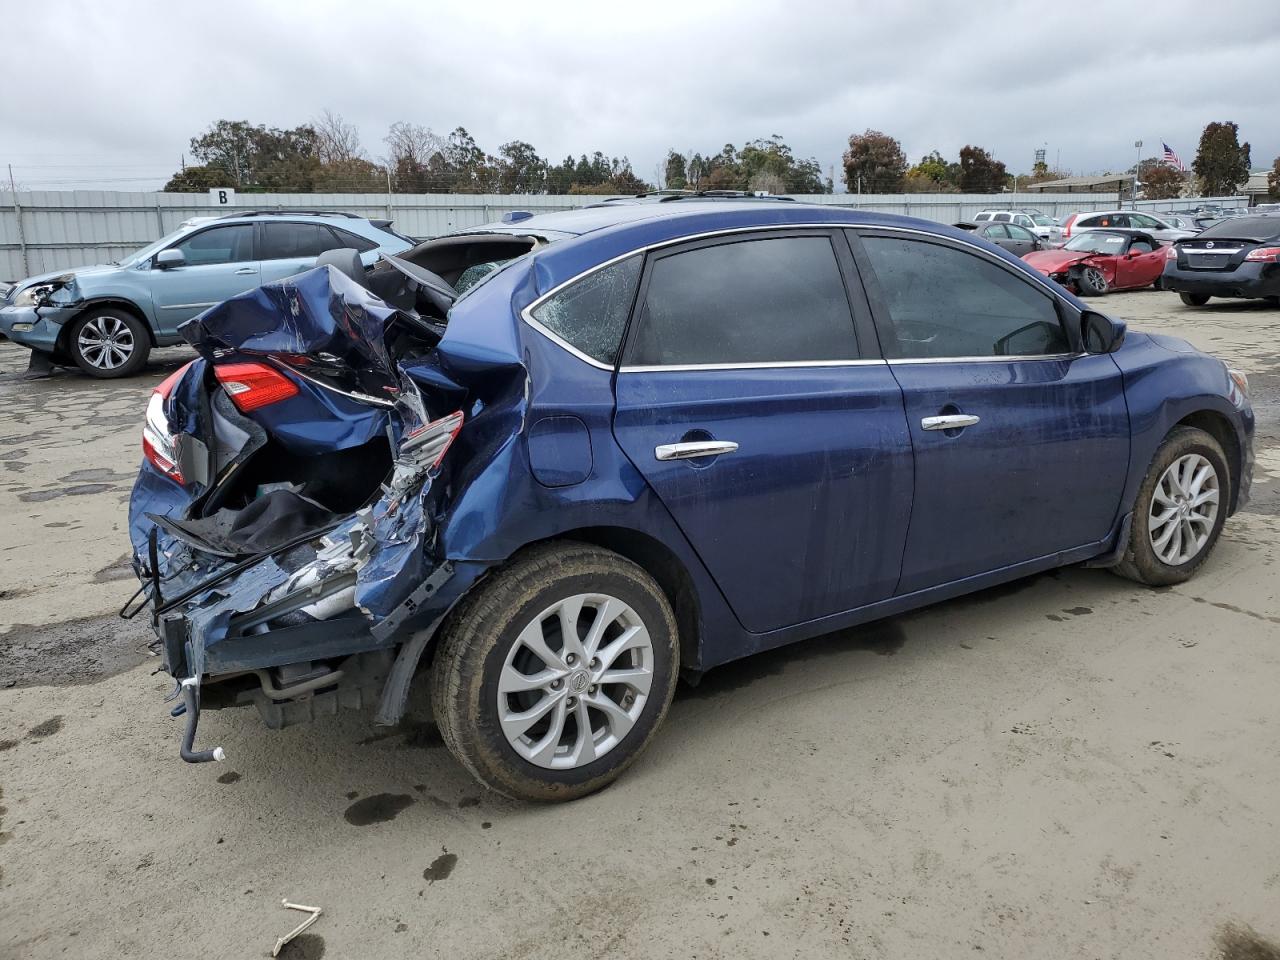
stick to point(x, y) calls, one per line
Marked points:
point(1068, 766)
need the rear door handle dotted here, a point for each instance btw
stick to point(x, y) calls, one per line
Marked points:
point(693, 449)
point(953, 421)
point(245, 271)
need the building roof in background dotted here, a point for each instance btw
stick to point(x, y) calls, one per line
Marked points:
point(1099, 183)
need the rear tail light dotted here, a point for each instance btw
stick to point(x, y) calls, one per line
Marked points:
point(159, 445)
point(1264, 255)
point(1066, 227)
point(429, 443)
point(254, 385)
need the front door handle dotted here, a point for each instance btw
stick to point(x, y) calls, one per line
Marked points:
point(954, 421)
point(245, 271)
point(693, 449)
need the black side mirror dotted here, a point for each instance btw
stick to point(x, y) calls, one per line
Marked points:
point(1100, 333)
point(166, 259)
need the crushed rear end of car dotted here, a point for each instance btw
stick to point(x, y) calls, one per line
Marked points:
point(287, 518)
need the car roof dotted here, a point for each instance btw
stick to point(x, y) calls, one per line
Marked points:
point(594, 235)
point(1260, 226)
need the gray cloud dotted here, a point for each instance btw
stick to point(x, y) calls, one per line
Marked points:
point(95, 91)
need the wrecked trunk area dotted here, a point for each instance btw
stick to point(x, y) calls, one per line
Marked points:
point(284, 522)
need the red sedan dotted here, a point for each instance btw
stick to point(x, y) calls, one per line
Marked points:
point(1099, 261)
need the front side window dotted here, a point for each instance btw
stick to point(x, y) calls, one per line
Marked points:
point(1019, 233)
point(229, 244)
point(590, 314)
point(775, 300)
point(294, 241)
point(943, 302)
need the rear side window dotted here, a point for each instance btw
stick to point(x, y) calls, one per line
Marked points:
point(980, 218)
point(351, 242)
point(591, 313)
point(289, 241)
point(774, 300)
point(943, 302)
point(1003, 217)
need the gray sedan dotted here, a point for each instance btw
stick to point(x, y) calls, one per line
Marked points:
point(1017, 240)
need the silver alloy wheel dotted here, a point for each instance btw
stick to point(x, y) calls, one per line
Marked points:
point(1183, 509)
point(106, 342)
point(575, 681)
point(1094, 279)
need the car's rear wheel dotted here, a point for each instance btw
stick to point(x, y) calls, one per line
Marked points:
point(1092, 282)
point(109, 343)
point(1180, 509)
point(1194, 299)
point(554, 675)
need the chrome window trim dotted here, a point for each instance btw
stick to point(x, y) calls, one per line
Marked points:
point(758, 365)
point(526, 314)
point(1020, 358)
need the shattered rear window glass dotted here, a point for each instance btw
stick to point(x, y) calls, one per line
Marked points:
point(591, 314)
point(475, 273)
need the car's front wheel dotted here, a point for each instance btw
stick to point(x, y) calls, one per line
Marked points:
point(1194, 299)
point(109, 343)
point(1180, 509)
point(553, 676)
point(1092, 282)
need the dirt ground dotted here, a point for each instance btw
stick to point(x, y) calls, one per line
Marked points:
point(1066, 767)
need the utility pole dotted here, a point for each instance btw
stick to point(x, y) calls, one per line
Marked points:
point(17, 212)
point(1138, 163)
point(388, 168)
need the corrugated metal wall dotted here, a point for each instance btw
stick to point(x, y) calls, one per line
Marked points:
point(54, 230)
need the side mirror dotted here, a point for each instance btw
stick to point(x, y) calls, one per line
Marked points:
point(167, 259)
point(1100, 333)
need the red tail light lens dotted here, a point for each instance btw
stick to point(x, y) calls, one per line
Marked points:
point(1264, 255)
point(159, 445)
point(1066, 227)
point(254, 385)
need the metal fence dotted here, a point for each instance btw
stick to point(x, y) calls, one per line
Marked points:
point(54, 230)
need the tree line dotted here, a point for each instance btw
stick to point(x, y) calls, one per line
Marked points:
point(326, 155)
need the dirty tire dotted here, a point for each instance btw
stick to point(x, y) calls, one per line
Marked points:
point(1140, 562)
point(114, 331)
point(1194, 299)
point(1091, 282)
point(480, 633)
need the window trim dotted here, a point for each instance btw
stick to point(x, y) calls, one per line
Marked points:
point(859, 297)
point(880, 311)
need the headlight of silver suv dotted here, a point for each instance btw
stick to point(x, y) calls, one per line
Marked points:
point(41, 294)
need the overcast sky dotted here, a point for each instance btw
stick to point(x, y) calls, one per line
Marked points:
point(94, 91)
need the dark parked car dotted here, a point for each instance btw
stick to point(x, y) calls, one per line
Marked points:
point(1234, 258)
point(646, 440)
point(1017, 240)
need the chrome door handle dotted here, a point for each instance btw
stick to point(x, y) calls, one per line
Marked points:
point(696, 448)
point(245, 271)
point(951, 422)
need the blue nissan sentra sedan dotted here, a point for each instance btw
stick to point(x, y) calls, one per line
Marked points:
point(549, 465)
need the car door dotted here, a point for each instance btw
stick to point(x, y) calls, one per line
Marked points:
point(1021, 240)
point(1140, 265)
point(289, 247)
point(218, 263)
point(1021, 441)
point(767, 424)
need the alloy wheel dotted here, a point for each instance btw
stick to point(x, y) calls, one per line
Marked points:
point(575, 681)
point(106, 342)
point(1092, 279)
point(1183, 509)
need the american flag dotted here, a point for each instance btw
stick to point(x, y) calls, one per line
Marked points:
point(1171, 158)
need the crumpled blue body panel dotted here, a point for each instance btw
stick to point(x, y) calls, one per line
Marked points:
point(319, 314)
